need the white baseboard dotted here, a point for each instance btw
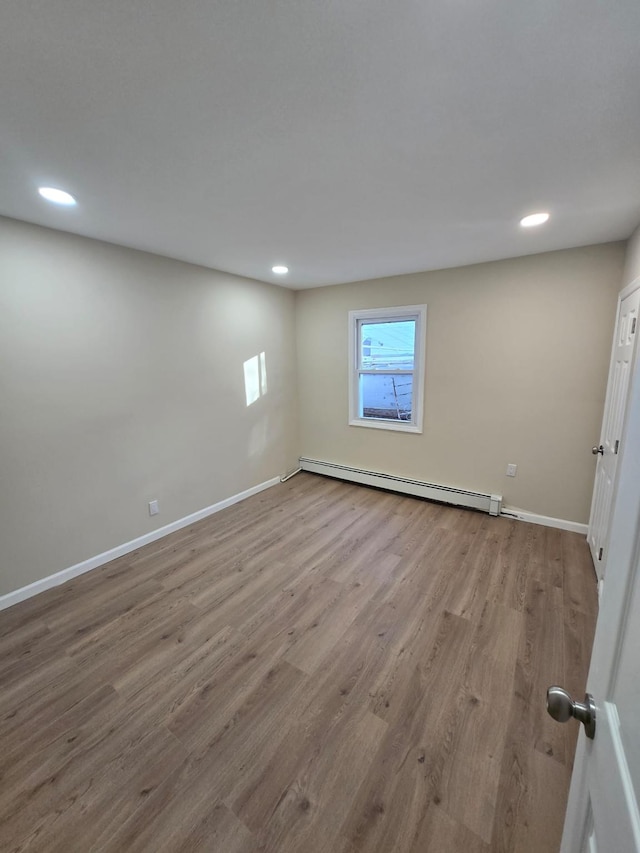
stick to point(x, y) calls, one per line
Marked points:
point(61, 577)
point(546, 520)
point(58, 578)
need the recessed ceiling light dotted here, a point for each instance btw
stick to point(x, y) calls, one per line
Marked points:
point(534, 219)
point(279, 269)
point(57, 196)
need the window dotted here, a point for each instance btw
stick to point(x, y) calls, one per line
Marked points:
point(386, 377)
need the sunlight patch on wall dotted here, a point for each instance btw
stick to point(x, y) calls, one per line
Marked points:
point(255, 378)
point(263, 374)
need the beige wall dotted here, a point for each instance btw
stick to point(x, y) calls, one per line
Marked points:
point(121, 381)
point(632, 260)
point(517, 360)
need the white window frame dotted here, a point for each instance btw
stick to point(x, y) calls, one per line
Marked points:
point(404, 312)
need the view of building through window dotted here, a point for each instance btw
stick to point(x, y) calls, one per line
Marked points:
point(386, 350)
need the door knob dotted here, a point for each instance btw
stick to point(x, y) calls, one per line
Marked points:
point(596, 450)
point(561, 707)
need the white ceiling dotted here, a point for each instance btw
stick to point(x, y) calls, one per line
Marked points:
point(349, 139)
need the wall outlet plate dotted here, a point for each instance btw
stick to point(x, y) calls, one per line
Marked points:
point(154, 508)
point(511, 470)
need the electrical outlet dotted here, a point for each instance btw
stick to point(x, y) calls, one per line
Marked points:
point(154, 508)
point(511, 469)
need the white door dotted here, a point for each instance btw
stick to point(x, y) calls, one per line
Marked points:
point(611, 437)
point(603, 814)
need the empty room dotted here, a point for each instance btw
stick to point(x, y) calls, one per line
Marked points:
point(319, 427)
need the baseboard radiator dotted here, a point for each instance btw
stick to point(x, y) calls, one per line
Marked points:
point(418, 488)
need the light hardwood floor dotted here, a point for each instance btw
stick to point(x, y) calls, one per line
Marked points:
point(321, 668)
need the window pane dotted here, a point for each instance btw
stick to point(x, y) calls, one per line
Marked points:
point(384, 396)
point(385, 346)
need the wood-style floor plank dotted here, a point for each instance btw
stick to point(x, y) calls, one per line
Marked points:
point(323, 667)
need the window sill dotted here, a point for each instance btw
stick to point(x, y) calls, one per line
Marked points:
point(394, 426)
